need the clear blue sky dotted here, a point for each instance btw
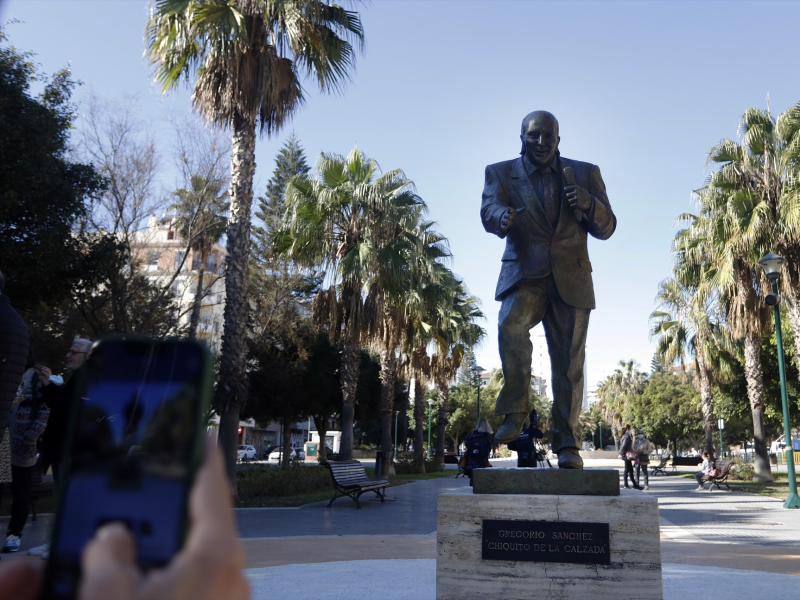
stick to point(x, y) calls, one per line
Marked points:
point(643, 89)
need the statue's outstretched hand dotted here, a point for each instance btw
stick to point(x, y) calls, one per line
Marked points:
point(508, 220)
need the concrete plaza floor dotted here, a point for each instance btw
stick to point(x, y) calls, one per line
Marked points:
point(746, 544)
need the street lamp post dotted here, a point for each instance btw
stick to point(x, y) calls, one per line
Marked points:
point(394, 453)
point(478, 370)
point(600, 426)
point(430, 410)
point(772, 267)
point(721, 424)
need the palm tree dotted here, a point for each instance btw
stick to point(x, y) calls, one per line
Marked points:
point(406, 260)
point(200, 220)
point(747, 206)
point(246, 58)
point(456, 330)
point(759, 182)
point(343, 219)
point(728, 228)
point(682, 328)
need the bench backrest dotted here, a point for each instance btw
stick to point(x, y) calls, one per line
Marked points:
point(724, 467)
point(686, 461)
point(346, 471)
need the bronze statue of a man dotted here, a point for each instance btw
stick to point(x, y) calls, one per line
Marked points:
point(544, 205)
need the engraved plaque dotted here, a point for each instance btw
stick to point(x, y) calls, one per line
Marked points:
point(546, 541)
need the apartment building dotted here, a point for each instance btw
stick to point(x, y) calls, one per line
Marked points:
point(163, 255)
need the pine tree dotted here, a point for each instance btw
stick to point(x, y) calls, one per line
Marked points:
point(290, 161)
point(466, 374)
point(656, 366)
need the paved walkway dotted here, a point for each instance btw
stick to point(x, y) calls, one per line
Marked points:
point(748, 540)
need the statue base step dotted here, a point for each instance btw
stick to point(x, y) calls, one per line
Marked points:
point(553, 482)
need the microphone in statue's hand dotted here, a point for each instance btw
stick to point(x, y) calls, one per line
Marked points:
point(572, 192)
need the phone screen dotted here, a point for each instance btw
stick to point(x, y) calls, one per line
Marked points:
point(133, 453)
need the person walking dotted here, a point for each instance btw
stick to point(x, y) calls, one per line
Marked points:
point(705, 467)
point(479, 444)
point(14, 344)
point(642, 447)
point(27, 421)
point(626, 454)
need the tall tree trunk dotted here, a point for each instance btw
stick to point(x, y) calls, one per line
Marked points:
point(388, 377)
point(198, 299)
point(404, 425)
point(706, 400)
point(351, 359)
point(441, 424)
point(287, 443)
point(321, 421)
point(231, 391)
point(419, 424)
point(755, 392)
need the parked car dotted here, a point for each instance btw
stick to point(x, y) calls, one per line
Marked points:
point(267, 451)
point(295, 453)
point(246, 452)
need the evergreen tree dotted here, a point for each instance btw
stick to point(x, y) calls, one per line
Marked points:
point(466, 374)
point(656, 366)
point(290, 161)
point(43, 194)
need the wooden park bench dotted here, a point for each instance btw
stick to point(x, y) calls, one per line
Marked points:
point(350, 479)
point(685, 461)
point(39, 488)
point(724, 470)
point(660, 468)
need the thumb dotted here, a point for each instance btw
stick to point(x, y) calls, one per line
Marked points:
point(109, 565)
point(20, 580)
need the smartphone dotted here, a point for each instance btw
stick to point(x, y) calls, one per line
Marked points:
point(133, 445)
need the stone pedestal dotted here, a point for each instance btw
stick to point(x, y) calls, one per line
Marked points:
point(634, 548)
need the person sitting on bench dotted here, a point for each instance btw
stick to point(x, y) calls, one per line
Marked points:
point(479, 444)
point(704, 468)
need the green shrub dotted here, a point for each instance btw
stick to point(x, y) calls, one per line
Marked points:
point(259, 482)
point(504, 452)
point(742, 470)
point(408, 466)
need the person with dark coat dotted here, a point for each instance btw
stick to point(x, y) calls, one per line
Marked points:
point(479, 445)
point(14, 347)
point(625, 447)
point(59, 399)
point(525, 444)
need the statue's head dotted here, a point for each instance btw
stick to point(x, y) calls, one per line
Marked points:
point(539, 137)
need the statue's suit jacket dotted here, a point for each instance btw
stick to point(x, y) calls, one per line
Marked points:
point(534, 246)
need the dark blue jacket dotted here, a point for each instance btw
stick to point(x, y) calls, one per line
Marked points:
point(479, 446)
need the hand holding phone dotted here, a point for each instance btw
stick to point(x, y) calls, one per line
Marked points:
point(209, 566)
point(133, 447)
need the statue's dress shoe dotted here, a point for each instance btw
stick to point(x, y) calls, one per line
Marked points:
point(569, 459)
point(511, 427)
